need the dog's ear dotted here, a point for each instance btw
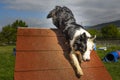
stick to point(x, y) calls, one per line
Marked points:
point(93, 38)
point(83, 36)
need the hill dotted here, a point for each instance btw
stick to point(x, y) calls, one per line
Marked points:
point(99, 26)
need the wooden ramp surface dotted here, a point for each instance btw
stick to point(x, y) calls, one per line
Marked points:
point(40, 55)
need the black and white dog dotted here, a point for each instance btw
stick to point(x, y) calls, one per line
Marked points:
point(79, 39)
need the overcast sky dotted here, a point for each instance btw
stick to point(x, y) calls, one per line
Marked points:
point(34, 12)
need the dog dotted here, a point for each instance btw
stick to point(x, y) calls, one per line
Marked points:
point(81, 42)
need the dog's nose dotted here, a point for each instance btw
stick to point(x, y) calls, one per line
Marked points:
point(87, 59)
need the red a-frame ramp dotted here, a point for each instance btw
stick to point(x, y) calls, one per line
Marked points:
point(40, 55)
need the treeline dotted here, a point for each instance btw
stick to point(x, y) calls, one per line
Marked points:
point(9, 32)
point(110, 31)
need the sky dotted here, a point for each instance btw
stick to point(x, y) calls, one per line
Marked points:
point(34, 12)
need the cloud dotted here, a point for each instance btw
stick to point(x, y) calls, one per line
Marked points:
point(43, 23)
point(27, 4)
point(87, 12)
point(32, 22)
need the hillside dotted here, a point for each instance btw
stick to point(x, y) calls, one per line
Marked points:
point(99, 26)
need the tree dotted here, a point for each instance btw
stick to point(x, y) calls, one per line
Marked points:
point(8, 33)
point(19, 23)
point(110, 31)
point(95, 32)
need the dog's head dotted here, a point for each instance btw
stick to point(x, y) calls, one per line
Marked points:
point(85, 45)
point(80, 43)
point(90, 46)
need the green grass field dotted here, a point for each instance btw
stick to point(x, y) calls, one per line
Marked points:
point(112, 67)
point(7, 62)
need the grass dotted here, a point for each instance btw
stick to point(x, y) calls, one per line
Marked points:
point(7, 62)
point(112, 67)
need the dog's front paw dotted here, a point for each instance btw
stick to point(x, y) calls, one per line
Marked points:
point(79, 74)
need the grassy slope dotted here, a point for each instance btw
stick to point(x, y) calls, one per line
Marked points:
point(113, 68)
point(7, 61)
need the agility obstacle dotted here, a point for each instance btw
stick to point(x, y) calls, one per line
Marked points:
point(40, 55)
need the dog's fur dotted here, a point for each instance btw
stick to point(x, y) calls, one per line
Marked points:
point(79, 39)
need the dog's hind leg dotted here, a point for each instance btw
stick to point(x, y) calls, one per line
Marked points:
point(75, 64)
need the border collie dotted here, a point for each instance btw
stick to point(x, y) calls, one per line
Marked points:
point(80, 41)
